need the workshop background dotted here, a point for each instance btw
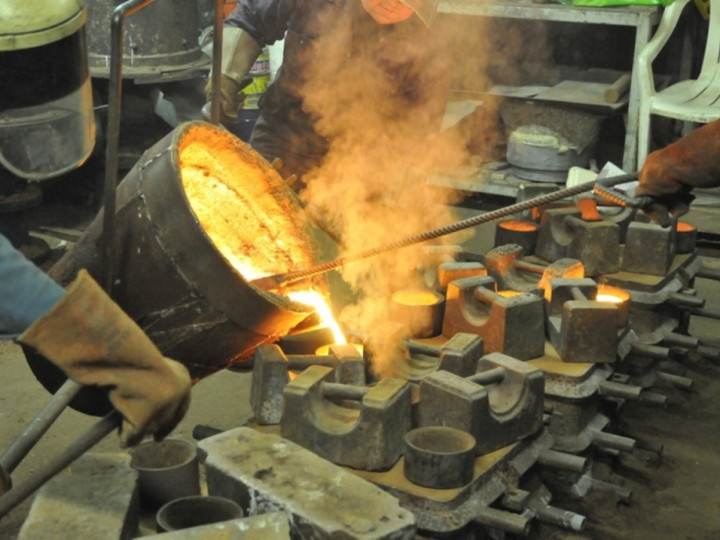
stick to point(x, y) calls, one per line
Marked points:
point(517, 64)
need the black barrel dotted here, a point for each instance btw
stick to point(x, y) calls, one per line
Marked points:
point(172, 278)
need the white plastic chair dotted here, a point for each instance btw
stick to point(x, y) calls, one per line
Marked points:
point(693, 100)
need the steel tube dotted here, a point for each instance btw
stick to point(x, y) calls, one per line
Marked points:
point(619, 390)
point(344, 391)
point(685, 300)
point(298, 362)
point(216, 73)
point(563, 518)
point(708, 273)
point(709, 352)
point(708, 313)
point(612, 441)
point(577, 294)
point(491, 376)
point(651, 351)
point(61, 460)
point(653, 398)
point(422, 348)
point(530, 267)
point(562, 461)
point(680, 340)
point(485, 295)
point(505, 521)
point(38, 426)
point(676, 380)
point(113, 135)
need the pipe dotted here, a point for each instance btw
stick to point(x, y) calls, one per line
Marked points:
point(652, 398)
point(344, 391)
point(113, 136)
point(619, 390)
point(38, 426)
point(563, 518)
point(61, 460)
point(505, 521)
point(708, 273)
point(491, 376)
point(680, 340)
point(562, 461)
point(708, 313)
point(685, 383)
point(216, 73)
point(685, 300)
point(612, 441)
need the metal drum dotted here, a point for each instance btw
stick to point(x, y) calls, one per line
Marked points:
point(173, 278)
point(160, 41)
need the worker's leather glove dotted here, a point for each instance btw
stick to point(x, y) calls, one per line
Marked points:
point(669, 174)
point(94, 342)
point(231, 97)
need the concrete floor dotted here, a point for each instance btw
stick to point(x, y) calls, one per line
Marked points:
point(676, 497)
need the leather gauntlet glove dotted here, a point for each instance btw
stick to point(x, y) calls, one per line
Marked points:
point(94, 342)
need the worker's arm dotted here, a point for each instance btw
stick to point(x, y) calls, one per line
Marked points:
point(94, 342)
point(26, 292)
point(249, 27)
point(671, 173)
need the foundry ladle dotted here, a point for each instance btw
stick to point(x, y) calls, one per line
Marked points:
point(278, 281)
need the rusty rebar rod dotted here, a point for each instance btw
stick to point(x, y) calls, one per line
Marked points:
point(278, 281)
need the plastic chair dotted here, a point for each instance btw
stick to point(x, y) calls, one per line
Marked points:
point(692, 100)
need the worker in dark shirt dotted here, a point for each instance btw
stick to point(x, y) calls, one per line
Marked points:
point(385, 48)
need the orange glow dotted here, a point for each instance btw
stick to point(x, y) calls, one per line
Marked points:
point(416, 298)
point(325, 349)
point(612, 295)
point(316, 300)
point(516, 225)
point(588, 210)
point(509, 293)
point(243, 206)
point(683, 226)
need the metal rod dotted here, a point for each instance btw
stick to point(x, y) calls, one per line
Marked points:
point(530, 267)
point(38, 426)
point(505, 521)
point(708, 273)
point(619, 390)
point(485, 295)
point(684, 383)
point(423, 348)
point(280, 280)
point(612, 441)
point(491, 376)
point(344, 391)
point(685, 300)
point(86, 441)
point(298, 362)
point(673, 339)
point(562, 461)
point(563, 518)
point(650, 351)
point(708, 313)
point(653, 398)
point(216, 72)
point(113, 136)
point(577, 294)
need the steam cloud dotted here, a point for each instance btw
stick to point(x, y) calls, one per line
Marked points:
point(372, 185)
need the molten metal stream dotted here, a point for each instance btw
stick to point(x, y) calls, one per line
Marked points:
point(278, 281)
